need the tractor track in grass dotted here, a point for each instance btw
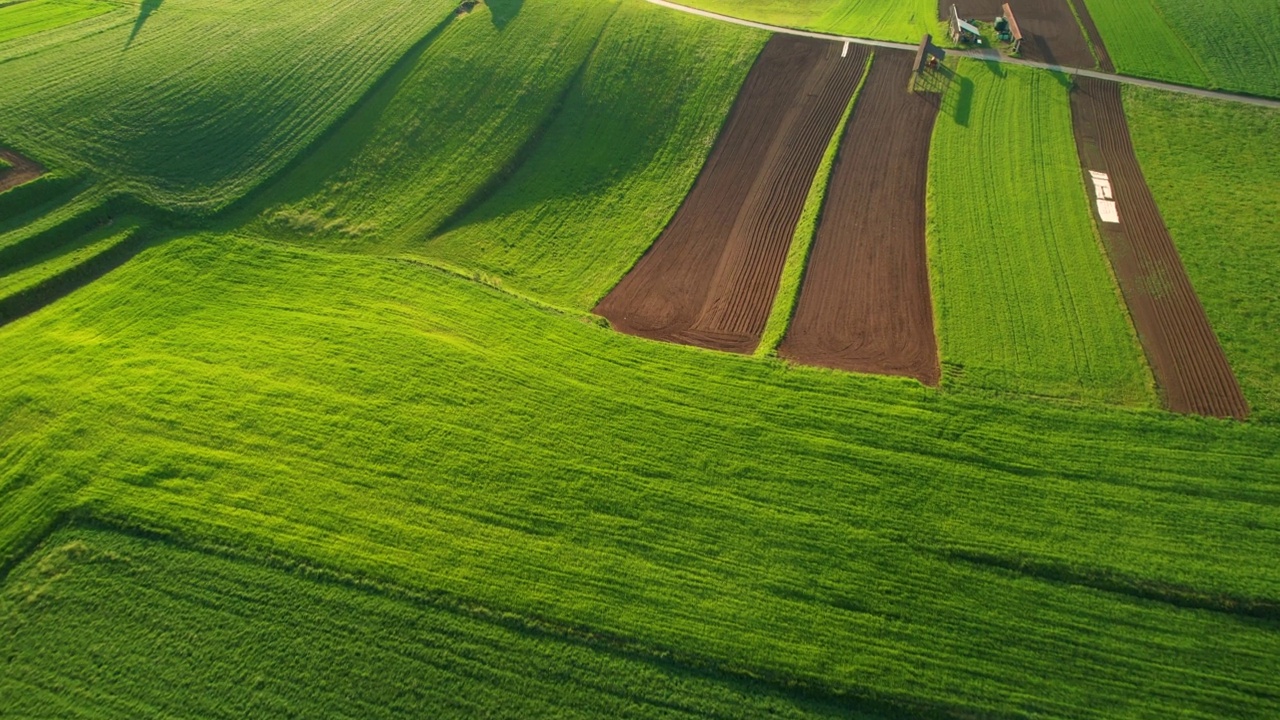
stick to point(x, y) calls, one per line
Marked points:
point(710, 278)
point(865, 304)
point(1189, 365)
point(23, 170)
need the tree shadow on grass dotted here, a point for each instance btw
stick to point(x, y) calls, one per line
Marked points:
point(144, 12)
point(503, 11)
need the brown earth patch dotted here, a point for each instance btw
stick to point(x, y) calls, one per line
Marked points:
point(865, 304)
point(1188, 363)
point(23, 170)
point(1050, 31)
point(711, 277)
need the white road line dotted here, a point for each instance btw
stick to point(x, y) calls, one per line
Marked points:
point(989, 55)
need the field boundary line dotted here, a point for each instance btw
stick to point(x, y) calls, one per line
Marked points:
point(988, 55)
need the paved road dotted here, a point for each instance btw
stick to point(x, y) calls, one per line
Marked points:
point(983, 55)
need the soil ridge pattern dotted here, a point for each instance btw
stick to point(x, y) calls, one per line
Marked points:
point(865, 304)
point(711, 277)
point(1189, 364)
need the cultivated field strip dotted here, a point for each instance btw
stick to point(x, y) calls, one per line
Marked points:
point(1052, 34)
point(20, 170)
point(865, 304)
point(710, 278)
point(1188, 363)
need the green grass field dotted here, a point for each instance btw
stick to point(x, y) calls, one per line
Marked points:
point(898, 20)
point(33, 16)
point(183, 108)
point(613, 165)
point(718, 509)
point(1215, 172)
point(342, 439)
point(366, 652)
point(1024, 299)
point(1227, 44)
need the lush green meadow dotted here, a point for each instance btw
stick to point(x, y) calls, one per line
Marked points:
point(33, 16)
point(950, 552)
point(181, 106)
point(1024, 298)
point(411, 157)
point(1215, 170)
point(362, 651)
point(613, 165)
point(1227, 44)
point(295, 460)
point(899, 20)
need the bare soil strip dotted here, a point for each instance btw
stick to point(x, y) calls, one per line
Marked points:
point(23, 170)
point(710, 278)
point(1051, 33)
point(1186, 359)
point(865, 304)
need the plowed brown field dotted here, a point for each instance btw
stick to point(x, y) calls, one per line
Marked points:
point(1186, 359)
point(23, 170)
point(1049, 29)
point(711, 277)
point(865, 303)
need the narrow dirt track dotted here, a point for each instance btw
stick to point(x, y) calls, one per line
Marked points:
point(865, 304)
point(23, 170)
point(1188, 363)
point(711, 277)
point(1050, 31)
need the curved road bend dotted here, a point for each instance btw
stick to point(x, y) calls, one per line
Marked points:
point(982, 55)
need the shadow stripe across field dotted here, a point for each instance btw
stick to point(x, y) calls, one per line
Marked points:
point(1188, 363)
point(865, 304)
point(711, 277)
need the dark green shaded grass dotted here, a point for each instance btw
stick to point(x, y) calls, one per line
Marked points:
point(436, 134)
point(184, 633)
point(200, 101)
point(614, 164)
point(1215, 171)
point(856, 537)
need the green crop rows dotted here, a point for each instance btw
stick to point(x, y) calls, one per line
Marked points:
point(1024, 298)
point(1229, 44)
point(34, 16)
point(342, 439)
point(1215, 172)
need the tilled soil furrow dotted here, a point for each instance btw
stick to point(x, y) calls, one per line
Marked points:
point(1189, 364)
point(1050, 31)
point(23, 170)
point(865, 302)
point(710, 278)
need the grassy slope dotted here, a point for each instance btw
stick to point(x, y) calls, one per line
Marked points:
point(784, 302)
point(899, 20)
point(1215, 171)
point(26, 18)
point(1024, 298)
point(851, 534)
point(1229, 44)
point(192, 111)
point(360, 652)
point(616, 162)
point(412, 156)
